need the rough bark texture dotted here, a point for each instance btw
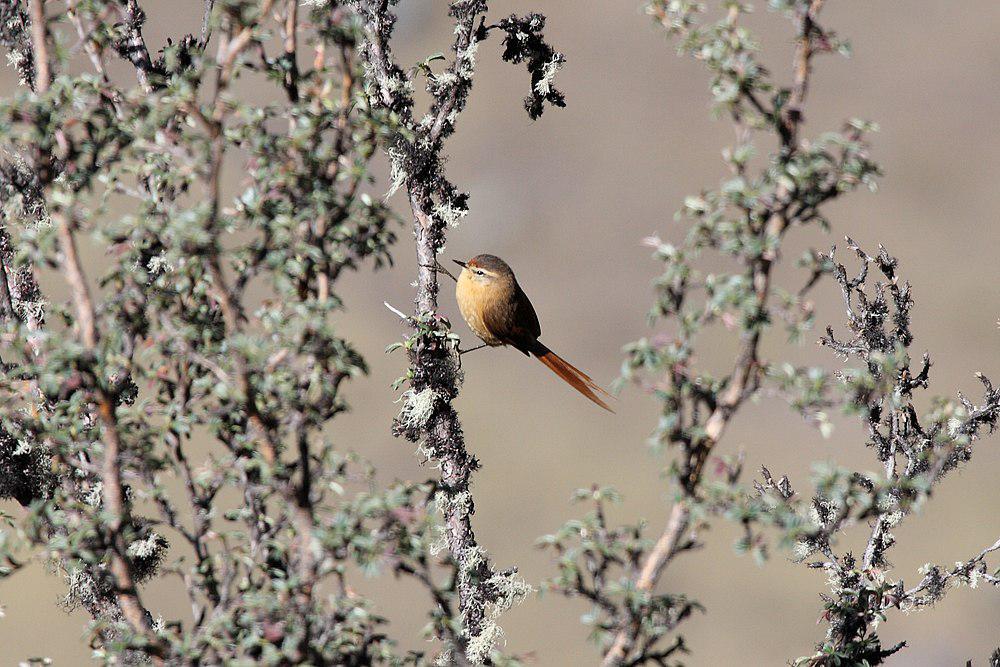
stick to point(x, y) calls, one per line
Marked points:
point(428, 417)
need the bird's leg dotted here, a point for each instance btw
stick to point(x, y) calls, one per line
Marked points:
point(461, 352)
point(436, 266)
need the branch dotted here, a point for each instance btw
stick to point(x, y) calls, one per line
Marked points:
point(133, 47)
point(206, 23)
point(744, 378)
point(22, 298)
point(936, 581)
point(428, 416)
point(39, 46)
point(115, 503)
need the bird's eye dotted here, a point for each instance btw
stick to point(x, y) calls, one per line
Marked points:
point(478, 272)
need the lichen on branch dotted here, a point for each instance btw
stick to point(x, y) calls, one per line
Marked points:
point(416, 152)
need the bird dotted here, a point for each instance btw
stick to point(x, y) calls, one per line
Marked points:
point(499, 313)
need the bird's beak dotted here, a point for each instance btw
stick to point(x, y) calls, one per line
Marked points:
point(461, 264)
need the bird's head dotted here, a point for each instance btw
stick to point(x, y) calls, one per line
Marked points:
point(486, 270)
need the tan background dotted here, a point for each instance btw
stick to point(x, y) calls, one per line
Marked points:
point(566, 200)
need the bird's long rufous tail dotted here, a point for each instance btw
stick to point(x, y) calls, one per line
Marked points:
point(573, 376)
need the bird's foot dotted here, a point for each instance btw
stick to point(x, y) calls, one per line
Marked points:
point(461, 352)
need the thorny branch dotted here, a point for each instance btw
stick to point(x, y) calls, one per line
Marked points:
point(916, 453)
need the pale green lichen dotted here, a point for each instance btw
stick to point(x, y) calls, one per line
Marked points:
point(450, 214)
point(449, 503)
point(417, 408)
point(397, 172)
point(505, 590)
point(150, 547)
point(479, 648)
point(510, 590)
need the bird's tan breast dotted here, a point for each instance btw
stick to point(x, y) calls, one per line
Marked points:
point(473, 301)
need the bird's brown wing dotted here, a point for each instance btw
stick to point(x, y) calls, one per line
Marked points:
point(513, 321)
point(526, 316)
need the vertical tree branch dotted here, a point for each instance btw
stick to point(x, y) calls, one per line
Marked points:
point(39, 44)
point(428, 416)
point(22, 299)
point(433, 366)
point(133, 47)
point(115, 503)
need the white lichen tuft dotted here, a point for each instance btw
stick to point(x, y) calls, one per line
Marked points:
point(440, 542)
point(467, 65)
point(397, 173)
point(822, 512)
point(398, 84)
point(94, 495)
point(80, 589)
point(426, 122)
point(417, 407)
point(544, 85)
point(479, 648)
point(147, 548)
point(460, 503)
point(833, 580)
point(802, 550)
point(444, 80)
point(449, 214)
point(892, 519)
point(510, 589)
point(31, 310)
point(445, 658)
point(159, 264)
point(17, 60)
point(23, 447)
point(475, 556)
point(507, 589)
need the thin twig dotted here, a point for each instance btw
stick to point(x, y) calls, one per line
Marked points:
point(206, 23)
point(134, 46)
point(39, 46)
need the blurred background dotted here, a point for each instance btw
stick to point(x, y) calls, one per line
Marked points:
point(566, 200)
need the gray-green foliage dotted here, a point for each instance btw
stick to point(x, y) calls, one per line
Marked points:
point(199, 312)
point(170, 417)
point(745, 220)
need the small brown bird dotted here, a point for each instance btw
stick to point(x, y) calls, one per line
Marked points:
point(499, 312)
